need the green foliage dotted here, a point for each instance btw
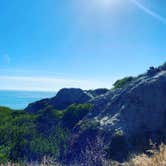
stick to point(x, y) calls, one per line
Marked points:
point(20, 139)
point(74, 113)
point(118, 133)
point(30, 137)
point(122, 82)
point(4, 153)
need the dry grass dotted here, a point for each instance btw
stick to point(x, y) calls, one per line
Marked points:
point(158, 158)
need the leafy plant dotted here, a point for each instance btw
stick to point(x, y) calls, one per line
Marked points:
point(122, 82)
point(74, 113)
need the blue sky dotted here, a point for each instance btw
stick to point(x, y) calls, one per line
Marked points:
point(48, 44)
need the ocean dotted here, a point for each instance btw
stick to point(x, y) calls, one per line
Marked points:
point(20, 99)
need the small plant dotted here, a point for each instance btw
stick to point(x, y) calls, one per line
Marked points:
point(122, 82)
point(152, 70)
point(74, 113)
point(118, 133)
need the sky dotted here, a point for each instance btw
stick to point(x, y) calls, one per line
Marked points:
point(48, 45)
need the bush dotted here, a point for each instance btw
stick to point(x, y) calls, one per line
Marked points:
point(20, 139)
point(30, 137)
point(74, 113)
point(152, 71)
point(121, 83)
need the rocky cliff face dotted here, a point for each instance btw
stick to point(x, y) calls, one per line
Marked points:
point(126, 118)
point(129, 117)
point(64, 98)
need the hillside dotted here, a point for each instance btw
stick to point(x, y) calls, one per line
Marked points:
point(110, 124)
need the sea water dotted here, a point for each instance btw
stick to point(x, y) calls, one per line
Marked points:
point(20, 99)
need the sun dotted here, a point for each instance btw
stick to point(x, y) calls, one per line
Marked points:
point(105, 2)
point(98, 7)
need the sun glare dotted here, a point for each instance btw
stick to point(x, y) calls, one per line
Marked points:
point(98, 3)
point(105, 3)
point(97, 8)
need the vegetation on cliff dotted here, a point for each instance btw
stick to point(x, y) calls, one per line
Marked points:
point(125, 118)
point(30, 137)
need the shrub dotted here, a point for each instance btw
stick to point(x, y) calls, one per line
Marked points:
point(74, 113)
point(28, 137)
point(122, 82)
point(152, 70)
point(21, 141)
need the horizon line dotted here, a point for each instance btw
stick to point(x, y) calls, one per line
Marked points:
point(50, 84)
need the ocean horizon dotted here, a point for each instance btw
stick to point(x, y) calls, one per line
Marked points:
point(19, 99)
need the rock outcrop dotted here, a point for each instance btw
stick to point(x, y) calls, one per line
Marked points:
point(64, 98)
point(129, 117)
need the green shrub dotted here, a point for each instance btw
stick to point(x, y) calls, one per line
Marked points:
point(25, 137)
point(20, 139)
point(122, 82)
point(74, 113)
